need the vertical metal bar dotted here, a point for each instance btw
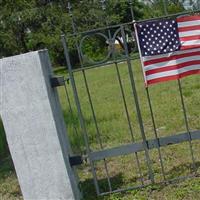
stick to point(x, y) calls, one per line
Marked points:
point(70, 106)
point(126, 108)
point(152, 117)
point(183, 107)
point(124, 100)
point(131, 8)
point(97, 129)
point(165, 3)
point(129, 120)
point(94, 116)
point(90, 101)
point(72, 114)
point(187, 125)
point(137, 106)
point(155, 133)
point(82, 123)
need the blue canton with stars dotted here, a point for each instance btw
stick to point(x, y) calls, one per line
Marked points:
point(158, 37)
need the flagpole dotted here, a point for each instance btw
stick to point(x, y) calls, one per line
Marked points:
point(140, 54)
point(150, 106)
point(184, 109)
point(131, 8)
point(187, 125)
point(165, 7)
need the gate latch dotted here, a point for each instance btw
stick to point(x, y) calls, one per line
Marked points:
point(75, 160)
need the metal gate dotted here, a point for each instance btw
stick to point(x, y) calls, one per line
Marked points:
point(145, 142)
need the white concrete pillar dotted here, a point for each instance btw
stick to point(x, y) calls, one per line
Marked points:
point(35, 128)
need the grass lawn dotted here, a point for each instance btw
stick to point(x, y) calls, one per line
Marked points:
point(114, 130)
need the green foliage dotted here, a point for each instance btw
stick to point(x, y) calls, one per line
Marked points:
point(175, 7)
point(95, 48)
point(156, 8)
point(34, 24)
point(28, 25)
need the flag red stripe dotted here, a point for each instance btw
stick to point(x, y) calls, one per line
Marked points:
point(174, 77)
point(188, 38)
point(173, 67)
point(173, 57)
point(189, 47)
point(189, 28)
point(177, 64)
point(188, 18)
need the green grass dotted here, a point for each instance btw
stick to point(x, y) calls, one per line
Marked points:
point(113, 126)
point(9, 186)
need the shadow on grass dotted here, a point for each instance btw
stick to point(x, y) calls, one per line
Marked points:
point(87, 186)
point(89, 192)
point(178, 171)
point(117, 181)
point(6, 167)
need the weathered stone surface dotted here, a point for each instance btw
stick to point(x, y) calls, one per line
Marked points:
point(35, 128)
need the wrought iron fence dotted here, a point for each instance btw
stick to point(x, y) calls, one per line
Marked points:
point(140, 145)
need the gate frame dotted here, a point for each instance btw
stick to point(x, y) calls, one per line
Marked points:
point(134, 147)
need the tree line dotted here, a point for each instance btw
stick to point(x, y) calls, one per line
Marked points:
point(28, 25)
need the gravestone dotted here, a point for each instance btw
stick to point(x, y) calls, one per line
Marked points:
point(35, 128)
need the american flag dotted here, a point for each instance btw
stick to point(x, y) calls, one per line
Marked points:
point(169, 48)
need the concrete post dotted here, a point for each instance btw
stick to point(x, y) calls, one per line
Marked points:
point(35, 128)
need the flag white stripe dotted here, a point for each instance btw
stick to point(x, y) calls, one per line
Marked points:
point(189, 33)
point(190, 23)
point(190, 42)
point(159, 72)
point(148, 58)
point(172, 72)
point(171, 63)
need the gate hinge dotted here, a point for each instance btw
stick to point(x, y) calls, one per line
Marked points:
point(75, 160)
point(57, 81)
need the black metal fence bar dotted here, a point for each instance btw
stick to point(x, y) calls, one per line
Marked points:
point(125, 107)
point(70, 109)
point(165, 4)
point(81, 119)
point(124, 101)
point(146, 185)
point(138, 146)
point(109, 63)
point(165, 7)
point(129, 120)
point(91, 105)
point(127, 113)
point(137, 106)
point(155, 133)
point(174, 180)
point(153, 119)
point(187, 125)
point(124, 189)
